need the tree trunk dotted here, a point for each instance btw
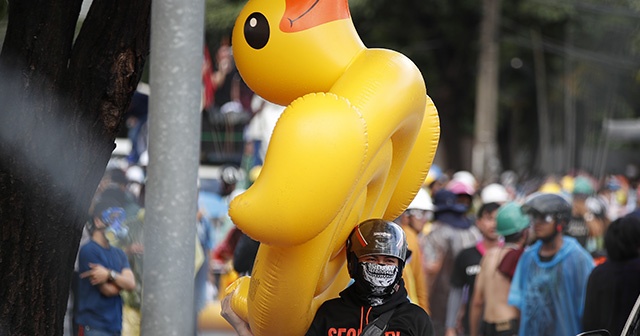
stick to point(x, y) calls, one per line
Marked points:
point(450, 130)
point(61, 104)
point(451, 107)
point(544, 125)
point(485, 163)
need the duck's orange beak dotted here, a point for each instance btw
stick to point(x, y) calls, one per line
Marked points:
point(304, 14)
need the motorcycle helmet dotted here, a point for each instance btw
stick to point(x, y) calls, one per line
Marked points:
point(543, 204)
point(376, 237)
point(230, 174)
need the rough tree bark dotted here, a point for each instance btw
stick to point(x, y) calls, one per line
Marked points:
point(485, 162)
point(61, 104)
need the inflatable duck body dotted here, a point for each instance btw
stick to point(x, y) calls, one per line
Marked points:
point(355, 141)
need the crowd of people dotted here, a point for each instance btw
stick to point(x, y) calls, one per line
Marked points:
point(556, 257)
point(531, 271)
point(537, 277)
point(553, 256)
point(480, 260)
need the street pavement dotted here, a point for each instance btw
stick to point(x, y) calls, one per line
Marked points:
point(216, 333)
point(67, 329)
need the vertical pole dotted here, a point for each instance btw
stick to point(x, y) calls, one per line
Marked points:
point(177, 28)
point(605, 148)
point(570, 119)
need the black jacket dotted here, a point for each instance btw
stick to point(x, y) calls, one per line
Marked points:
point(348, 314)
point(611, 293)
point(245, 254)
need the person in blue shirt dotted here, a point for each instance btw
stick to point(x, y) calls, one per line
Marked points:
point(550, 280)
point(104, 272)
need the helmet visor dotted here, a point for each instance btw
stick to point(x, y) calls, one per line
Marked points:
point(378, 237)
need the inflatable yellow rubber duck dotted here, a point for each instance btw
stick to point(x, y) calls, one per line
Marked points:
point(355, 141)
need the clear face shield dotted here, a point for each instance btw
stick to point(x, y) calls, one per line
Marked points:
point(421, 214)
point(536, 217)
point(539, 221)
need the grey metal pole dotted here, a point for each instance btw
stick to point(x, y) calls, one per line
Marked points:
point(177, 28)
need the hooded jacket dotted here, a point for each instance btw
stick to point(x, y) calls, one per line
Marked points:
point(550, 294)
point(349, 314)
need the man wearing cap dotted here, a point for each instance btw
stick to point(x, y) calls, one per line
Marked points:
point(489, 301)
point(413, 221)
point(104, 272)
point(452, 232)
point(463, 191)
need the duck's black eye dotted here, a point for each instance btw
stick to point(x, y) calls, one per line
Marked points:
point(256, 30)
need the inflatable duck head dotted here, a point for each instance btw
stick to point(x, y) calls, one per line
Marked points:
point(285, 49)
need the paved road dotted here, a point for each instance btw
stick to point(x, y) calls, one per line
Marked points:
point(67, 329)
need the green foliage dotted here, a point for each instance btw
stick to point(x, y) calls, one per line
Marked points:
point(440, 37)
point(3, 9)
point(548, 11)
point(219, 20)
point(591, 45)
point(221, 14)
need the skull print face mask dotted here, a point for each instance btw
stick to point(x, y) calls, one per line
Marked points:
point(375, 283)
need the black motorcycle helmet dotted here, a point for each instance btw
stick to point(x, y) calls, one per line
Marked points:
point(376, 237)
point(548, 204)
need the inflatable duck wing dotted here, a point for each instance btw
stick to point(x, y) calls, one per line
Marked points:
point(355, 141)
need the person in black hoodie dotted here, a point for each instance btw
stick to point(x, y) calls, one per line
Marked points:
point(614, 285)
point(376, 303)
point(376, 254)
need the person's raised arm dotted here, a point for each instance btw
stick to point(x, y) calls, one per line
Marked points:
point(240, 326)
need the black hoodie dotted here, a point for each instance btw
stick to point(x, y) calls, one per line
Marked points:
point(348, 314)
